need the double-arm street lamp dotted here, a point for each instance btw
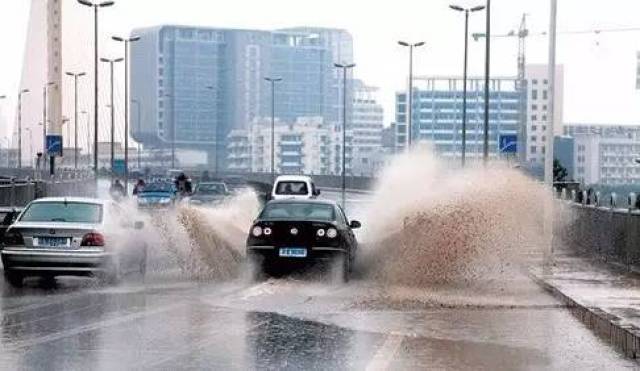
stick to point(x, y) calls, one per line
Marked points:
point(345, 67)
point(95, 6)
point(411, 46)
point(75, 105)
point(466, 12)
point(126, 42)
point(273, 81)
point(113, 123)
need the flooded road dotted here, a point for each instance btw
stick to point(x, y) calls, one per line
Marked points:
point(291, 323)
point(397, 313)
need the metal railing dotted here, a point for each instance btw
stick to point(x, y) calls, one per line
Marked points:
point(603, 226)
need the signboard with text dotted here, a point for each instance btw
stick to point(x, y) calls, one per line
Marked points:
point(54, 145)
point(508, 143)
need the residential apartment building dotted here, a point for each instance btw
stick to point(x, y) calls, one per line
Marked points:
point(366, 127)
point(202, 83)
point(538, 109)
point(606, 154)
point(306, 146)
point(437, 114)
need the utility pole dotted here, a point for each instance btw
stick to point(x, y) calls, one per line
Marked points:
point(344, 68)
point(548, 156)
point(75, 105)
point(273, 81)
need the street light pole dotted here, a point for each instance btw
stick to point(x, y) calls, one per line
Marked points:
point(75, 104)
point(138, 121)
point(23, 91)
point(30, 146)
point(113, 123)
point(126, 106)
point(345, 68)
point(95, 6)
point(273, 81)
point(86, 115)
point(464, 89)
point(410, 93)
point(487, 72)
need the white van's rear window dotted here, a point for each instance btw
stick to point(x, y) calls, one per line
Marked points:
point(292, 188)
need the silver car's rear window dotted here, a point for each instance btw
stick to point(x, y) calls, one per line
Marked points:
point(69, 212)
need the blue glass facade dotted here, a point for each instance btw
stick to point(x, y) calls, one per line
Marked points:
point(208, 82)
point(437, 115)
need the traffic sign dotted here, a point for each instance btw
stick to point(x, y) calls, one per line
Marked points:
point(54, 145)
point(508, 143)
point(118, 167)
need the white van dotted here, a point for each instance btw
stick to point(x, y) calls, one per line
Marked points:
point(294, 187)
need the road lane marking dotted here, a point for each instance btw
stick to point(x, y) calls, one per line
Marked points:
point(383, 357)
point(92, 326)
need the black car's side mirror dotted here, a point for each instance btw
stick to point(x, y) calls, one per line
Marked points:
point(355, 224)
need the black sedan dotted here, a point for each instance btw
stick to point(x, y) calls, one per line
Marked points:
point(302, 231)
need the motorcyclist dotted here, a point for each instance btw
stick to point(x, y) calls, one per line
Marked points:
point(117, 190)
point(183, 185)
point(138, 187)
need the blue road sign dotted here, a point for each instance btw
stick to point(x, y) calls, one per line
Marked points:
point(54, 145)
point(118, 167)
point(508, 143)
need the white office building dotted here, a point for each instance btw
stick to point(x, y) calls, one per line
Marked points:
point(306, 146)
point(538, 109)
point(366, 127)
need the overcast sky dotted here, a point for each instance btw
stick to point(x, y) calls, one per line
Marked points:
point(599, 69)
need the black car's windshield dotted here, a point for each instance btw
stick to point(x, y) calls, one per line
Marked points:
point(299, 211)
point(210, 189)
point(69, 212)
point(159, 187)
point(294, 188)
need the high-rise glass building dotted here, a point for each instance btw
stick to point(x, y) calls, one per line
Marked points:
point(209, 81)
point(437, 114)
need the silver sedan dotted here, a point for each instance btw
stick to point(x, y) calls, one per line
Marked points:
point(73, 236)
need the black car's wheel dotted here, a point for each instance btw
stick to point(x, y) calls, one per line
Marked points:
point(15, 279)
point(257, 267)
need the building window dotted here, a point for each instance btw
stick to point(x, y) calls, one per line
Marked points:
point(533, 150)
point(534, 107)
point(534, 138)
point(546, 82)
point(534, 94)
point(534, 82)
point(545, 95)
point(534, 128)
point(534, 118)
point(544, 117)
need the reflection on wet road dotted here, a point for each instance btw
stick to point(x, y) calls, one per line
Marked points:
point(290, 324)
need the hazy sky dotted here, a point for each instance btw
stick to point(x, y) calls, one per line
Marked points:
point(599, 69)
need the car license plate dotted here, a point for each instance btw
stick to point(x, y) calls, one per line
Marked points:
point(293, 252)
point(57, 242)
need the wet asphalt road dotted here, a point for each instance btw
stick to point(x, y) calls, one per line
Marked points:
point(292, 323)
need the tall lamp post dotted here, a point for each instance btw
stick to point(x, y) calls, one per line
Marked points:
point(113, 123)
point(75, 105)
point(30, 146)
point(87, 125)
point(487, 72)
point(466, 12)
point(345, 68)
point(23, 91)
point(126, 42)
point(138, 123)
point(410, 93)
point(273, 81)
point(95, 6)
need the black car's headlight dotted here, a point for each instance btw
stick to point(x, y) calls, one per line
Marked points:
point(332, 233)
point(256, 231)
